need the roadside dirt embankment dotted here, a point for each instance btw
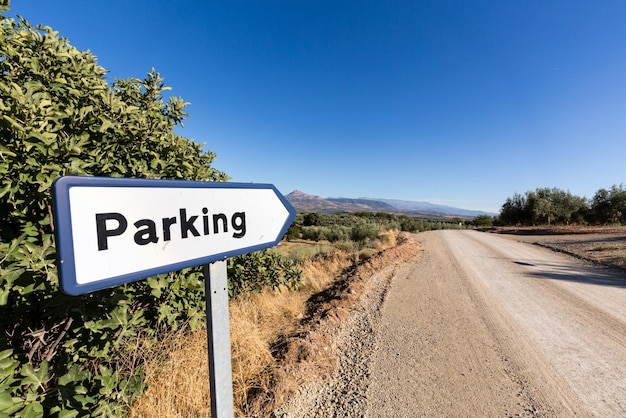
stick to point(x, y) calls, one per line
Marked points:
point(314, 352)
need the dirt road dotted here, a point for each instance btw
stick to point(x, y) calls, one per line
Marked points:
point(483, 325)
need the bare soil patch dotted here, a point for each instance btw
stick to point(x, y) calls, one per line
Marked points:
point(604, 245)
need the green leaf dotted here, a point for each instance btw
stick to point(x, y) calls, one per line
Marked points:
point(9, 405)
point(5, 354)
point(7, 369)
point(85, 400)
point(67, 414)
point(119, 318)
point(13, 123)
point(4, 190)
point(74, 374)
point(6, 401)
point(12, 274)
point(35, 377)
point(4, 296)
point(33, 410)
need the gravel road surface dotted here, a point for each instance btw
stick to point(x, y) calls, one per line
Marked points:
point(480, 325)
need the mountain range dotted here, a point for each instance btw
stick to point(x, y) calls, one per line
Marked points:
point(311, 203)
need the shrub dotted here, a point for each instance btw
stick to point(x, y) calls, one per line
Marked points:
point(60, 117)
point(483, 221)
point(313, 233)
point(365, 253)
point(293, 233)
point(250, 273)
point(364, 232)
point(338, 233)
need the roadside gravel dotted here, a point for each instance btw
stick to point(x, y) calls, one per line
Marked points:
point(343, 394)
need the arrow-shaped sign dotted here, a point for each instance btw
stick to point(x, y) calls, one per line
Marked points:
point(112, 230)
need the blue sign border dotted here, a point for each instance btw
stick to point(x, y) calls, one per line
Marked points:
point(64, 239)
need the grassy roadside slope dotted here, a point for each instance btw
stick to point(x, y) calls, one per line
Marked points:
point(266, 330)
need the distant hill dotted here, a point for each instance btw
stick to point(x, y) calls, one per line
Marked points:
point(311, 203)
point(362, 204)
point(409, 205)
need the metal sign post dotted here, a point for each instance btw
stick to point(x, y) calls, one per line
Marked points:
point(218, 338)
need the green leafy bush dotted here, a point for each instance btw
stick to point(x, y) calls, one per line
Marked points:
point(321, 233)
point(250, 273)
point(293, 233)
point(314, 233)
point(483, 221)
point(60, 354)
point(365, 232)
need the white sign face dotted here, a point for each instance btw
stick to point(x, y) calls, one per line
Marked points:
point(112, 231)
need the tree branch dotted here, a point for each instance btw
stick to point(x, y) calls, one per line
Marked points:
point(50, 353)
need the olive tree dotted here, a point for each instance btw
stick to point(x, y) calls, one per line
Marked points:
point(609, 206)
point(544, 206)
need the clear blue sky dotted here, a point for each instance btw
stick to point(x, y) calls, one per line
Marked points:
point(454, 102)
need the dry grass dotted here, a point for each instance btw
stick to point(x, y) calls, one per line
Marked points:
point(304, 250)
point(387, 239)
point(177, 375)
